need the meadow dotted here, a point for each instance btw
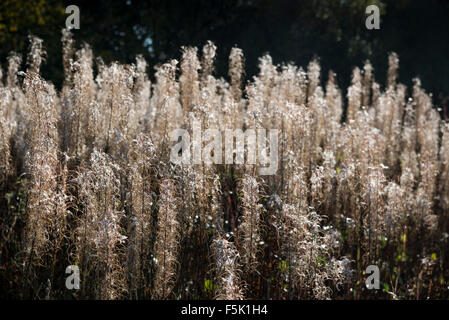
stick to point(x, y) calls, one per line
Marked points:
point(86, 180)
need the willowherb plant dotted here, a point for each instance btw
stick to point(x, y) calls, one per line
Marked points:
point(78, 126)
point(99, 235)
point(41, 163)
point(165, 102)
point(167, 242)
point(14, 61)
point(306, 250)
point(226, 259)
point(249, 229)
point(444, 168)
point(236, 70)
point(189, 79)
point(67, 54)
point(86, 179)
point(5, 136)
point(207, 62)
point(140, 229)
point(36, 55)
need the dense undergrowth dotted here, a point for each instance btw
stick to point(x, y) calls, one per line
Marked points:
point(86, 179)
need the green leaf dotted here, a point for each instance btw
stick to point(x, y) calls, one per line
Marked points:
point(208, 285)
point(384, 242)
point(283, 266)
point(404, 238)
point(321, 261)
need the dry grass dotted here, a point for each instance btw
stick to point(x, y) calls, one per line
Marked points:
point(86, 179)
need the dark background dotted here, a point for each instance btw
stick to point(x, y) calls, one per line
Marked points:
point(297, 31)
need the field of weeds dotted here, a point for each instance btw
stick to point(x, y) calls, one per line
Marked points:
point(87, 180)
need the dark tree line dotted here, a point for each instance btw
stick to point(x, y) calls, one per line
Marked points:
point(333, 30)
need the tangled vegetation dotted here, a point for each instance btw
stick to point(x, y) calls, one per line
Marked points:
point(86, 180)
